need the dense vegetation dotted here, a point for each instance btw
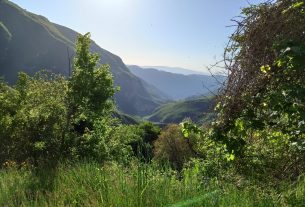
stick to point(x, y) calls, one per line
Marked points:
point(61, 145)
point(265, 119)
point(90, 184)
point(47, 118)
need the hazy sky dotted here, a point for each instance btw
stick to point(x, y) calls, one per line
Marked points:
point(184, 33)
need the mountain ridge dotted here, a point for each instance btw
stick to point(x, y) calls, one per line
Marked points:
point(178, 86)
point(36, 43)
point(177, 70)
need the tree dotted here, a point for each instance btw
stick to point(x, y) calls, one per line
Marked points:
point(90, 92)
point(47, 117)
point(91, 86)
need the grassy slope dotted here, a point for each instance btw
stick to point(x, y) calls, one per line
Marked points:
point(88, 184)
point(127, 119)
point(198, 110)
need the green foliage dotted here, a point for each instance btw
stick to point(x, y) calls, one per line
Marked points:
point(172, 147)
point(130, 141)
point(90, 90)
point(262, 123)
point(32, 116)
point(188, 128)
point(215, 156)
point(282, 103)
point(148, 133)
point(121, 140)
point(271, 126)
point(46, 117)
point(91, 86)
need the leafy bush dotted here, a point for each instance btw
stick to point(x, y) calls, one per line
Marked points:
point(260, 121)
point(32, 117)
point(261, 111)
point(127, 141)
point(143, 148)
point(172, 147)
point(46, 117)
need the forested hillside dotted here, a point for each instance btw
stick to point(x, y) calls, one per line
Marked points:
point(29, 43)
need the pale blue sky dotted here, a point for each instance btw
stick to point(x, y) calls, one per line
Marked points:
point(184, 33)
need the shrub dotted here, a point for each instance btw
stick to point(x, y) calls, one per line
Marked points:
point(143, 148)
point(172, 147)
point(46, 117)
point(127, 141)
point(32, 118)
point(261, 110)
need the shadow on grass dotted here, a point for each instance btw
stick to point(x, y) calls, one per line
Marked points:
point(42, 180)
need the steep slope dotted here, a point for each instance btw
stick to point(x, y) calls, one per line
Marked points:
point(30, 43)
point(198, 110)
point(178, 86)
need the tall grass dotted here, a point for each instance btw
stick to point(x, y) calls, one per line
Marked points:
point(89, 184)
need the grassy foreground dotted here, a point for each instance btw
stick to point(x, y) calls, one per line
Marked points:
point(89, 184)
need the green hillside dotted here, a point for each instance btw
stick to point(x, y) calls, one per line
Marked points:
point(31, 43)
point(198, 110)
point(125, 118)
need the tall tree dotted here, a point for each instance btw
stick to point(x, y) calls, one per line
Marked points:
point(90, 92)
point(91, 86)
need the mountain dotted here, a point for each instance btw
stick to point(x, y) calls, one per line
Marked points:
point(178, 86)
point(177, 70)
point(30, 42)
point(198, 110)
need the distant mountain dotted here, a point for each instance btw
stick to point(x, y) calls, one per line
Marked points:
point(198, 110)
point(178, 86)
point(29, 43)
point(177, 70)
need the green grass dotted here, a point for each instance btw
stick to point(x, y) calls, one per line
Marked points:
point(89, 184)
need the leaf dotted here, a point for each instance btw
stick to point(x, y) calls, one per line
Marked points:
point(185, 133)
point(265, 68)
point(230, 156)
point(297, 5)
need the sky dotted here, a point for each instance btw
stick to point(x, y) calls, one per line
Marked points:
point(179, 33)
